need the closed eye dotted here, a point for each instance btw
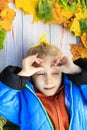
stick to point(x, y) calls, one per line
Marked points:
point(55, 73)
point(41, 74)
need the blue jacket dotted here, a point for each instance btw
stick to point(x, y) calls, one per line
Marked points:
point(23, 107)
point(76, 102)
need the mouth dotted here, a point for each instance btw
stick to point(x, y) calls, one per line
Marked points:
point(49, 88)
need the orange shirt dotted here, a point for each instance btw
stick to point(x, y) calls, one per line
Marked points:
point(56, 109)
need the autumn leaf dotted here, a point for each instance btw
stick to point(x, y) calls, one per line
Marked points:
point(57, 17)
point(74, 51)
point(10, 0)
point(60, 15)
point(69, 4)
point(44, 11)
point(2, 38)
point(84, 39)
point(75, 27)
point(78, 51)
point(7, 15)
point(3, 4)
point(28, 6)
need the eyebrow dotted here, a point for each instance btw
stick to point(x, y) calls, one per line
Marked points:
point(55, 69)
point(40, 72)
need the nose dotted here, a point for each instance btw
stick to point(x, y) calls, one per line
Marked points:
point(49, 79)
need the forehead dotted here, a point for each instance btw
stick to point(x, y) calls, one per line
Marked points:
point(47, 65)
point(47, 61)
point(48, 58)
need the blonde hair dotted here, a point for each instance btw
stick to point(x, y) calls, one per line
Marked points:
point(44, 50)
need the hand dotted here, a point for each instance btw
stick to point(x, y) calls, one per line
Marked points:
point(67, 65)
point(28, 67)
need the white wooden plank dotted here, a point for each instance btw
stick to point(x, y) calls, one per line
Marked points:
point(12, 51)
point(62, 38)
point(32, 32)
point(3, 57)
point(17, 40)
point(24, 33)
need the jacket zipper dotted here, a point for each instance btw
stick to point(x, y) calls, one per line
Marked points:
point(57, 114)
point(41, 106)
point(72, 103)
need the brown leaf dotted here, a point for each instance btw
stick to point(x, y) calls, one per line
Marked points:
point(78, 51)
point(84, 39)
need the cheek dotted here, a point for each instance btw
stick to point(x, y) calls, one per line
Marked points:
point(38, 80)
point(58, 78)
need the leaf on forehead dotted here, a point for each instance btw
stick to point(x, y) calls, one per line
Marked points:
point(2, 37)
point(7, 15)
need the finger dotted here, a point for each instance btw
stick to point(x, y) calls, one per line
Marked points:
point(39, 69)
point(59, 62)
point(31, 59)
point(62, 61)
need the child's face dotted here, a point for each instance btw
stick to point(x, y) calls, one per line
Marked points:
point(49, 80)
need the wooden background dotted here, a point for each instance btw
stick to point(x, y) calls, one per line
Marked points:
point(24, 33)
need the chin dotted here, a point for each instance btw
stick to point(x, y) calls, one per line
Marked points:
point(50, 94)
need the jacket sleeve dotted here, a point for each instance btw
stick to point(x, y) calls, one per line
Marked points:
point(9, 104)
point(11, 86)
point(80, 78)
point(10, 78)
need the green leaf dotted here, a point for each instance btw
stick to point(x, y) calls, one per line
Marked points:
point(83, 2)
point(83, 25)
point(2, 37)
point(66, 4)
point(44, 11)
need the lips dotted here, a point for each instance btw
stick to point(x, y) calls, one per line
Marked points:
point(49, 88)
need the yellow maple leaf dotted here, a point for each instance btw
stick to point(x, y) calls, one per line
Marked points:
point(10, 0)
point(75, 27)
point(60, 15)
point(5, 25)
point(81, 14)
point(41, 40)
point(28, 6)
point(84, 39)
point(68, 23)
point(57, 18)
point(3, 4)
point(7, 15)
